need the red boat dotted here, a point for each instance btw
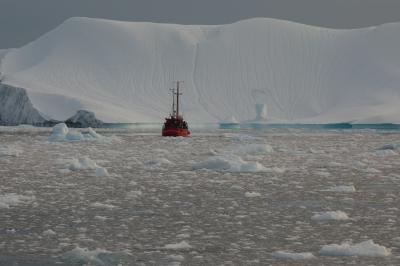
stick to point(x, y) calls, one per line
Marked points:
point(175, 126)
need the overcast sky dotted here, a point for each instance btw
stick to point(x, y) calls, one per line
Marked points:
point(22, 21)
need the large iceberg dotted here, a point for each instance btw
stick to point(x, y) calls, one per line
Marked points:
point(122, 71)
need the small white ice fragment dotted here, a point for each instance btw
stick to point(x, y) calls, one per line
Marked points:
point(350, 188)
point(181, 245)
point(286, 255)
point(252, 194)
point(330, 215)
point(367, 248)
point(49, 232)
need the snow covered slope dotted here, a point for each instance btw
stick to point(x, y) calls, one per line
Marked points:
point(122, 71)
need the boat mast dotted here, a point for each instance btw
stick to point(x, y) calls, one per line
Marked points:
point(173, 101)
point(177, 98)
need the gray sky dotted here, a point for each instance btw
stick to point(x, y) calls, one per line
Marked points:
point(22, 21)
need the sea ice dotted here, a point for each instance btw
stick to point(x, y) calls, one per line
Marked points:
point(84, 256)
point(49, 232)
point(62, 133)
point(10, 151)
point(292, 255)
point(158, 162)
point(85, 163)
point(134, 194)
point(349, 188)
point(330, 215)
point(252, 194)
point(254, 149)
point(102, 205)
point(181, 245)
point(393, 146)
point(11, 199)
point(367, 248)
point(101, 172)
point(230, 164)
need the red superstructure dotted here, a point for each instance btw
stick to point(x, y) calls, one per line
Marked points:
point(175, 126)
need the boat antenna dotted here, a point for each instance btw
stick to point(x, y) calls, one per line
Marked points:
point(177, 97)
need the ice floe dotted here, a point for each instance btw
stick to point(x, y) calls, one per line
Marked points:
point(396, 241)
point(367, 248)
point(178, 246)
point(49, 232)
point(62, 133)
point(10, 151)
point(230, 164)
point(252, 194)
point(101, 172)
point(12, 199)
point(158, 162)
point(349, 188)
point(102, 205)
point(134, 194)
point(392, 146)
point(84, 256)
point(330, 215)
point(84, 163)
point(253, 149)
point(286, 255)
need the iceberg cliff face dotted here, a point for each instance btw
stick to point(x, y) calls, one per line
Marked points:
point(122, 71)
point(16, 108)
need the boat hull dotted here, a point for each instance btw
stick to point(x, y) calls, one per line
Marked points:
point(175, 132)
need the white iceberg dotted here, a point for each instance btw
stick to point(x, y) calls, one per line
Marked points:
point(62, 133)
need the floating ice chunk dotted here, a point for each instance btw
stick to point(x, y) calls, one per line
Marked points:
point(393, 146)
point(62, 133)
point(101, 171)
point(252, 194)
point(350, 188)
point(102, 205)
point(254, 149)
point(230, 164)
point(371, 170)
point(134, 194)
point(10, 151)
point(11, 199)
point(330, 215)
point(176, 257)
point(367, 248)
point(49, 232)
point(83, 256)
point(286, 255)
point(101, 218)
point(158, 162)
point(181, 245)
point(396, 241)
point(84, 163)
point(384, 152)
